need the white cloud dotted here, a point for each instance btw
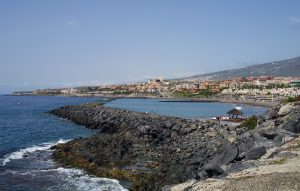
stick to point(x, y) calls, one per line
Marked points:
point(294, 20)
point(73, 23)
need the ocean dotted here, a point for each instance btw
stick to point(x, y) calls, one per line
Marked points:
point(27, 132)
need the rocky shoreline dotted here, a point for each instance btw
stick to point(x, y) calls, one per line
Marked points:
point(152, 151)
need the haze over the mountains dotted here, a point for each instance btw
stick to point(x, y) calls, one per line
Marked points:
point(282, 68)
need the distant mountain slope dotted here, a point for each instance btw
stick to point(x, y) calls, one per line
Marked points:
point(290, 67)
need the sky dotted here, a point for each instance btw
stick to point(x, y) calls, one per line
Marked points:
point(67, 43)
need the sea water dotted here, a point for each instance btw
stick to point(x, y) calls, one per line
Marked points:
point(27, 133)
point(191, 110)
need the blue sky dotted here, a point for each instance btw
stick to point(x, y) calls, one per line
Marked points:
point(59, 43)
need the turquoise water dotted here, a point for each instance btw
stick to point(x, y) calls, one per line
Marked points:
point(27, 132)
point(183, 109)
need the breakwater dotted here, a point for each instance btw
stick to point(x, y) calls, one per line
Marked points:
point(151, 151)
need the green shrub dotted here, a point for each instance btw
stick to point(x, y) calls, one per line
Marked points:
point(250, 123)
point(122, 92)
point(199, 94)
point(292, 99)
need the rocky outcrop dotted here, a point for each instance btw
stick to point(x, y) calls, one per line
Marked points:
point(152, 151)
point(274, 130)
point(285, 109)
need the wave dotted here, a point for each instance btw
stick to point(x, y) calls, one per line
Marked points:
point(69, 179)
point(57, 178)
point(21, 153)
point(78, 179)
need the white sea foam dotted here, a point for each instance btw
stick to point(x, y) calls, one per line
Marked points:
point(79, 180)
point(20, 153)
point(70, 179)
point(63, 178)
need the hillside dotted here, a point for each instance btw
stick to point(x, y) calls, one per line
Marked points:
point(290, 67)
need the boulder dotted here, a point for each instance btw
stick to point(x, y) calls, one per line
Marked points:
point(293, 125)
point(166, 133)
point(278, 139)
point(193, 127)
point(271, 114)
point(168, 124)
point(285, 109)
point(174, 135)
point(269, 124)
point(256, 153)
point(212, 170)
point(232, 137)
point(211, 133)
point(143, 129)
point(176, 127)
point(245, 143)
point(225, 154)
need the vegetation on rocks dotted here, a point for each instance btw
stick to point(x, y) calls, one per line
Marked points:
point(127, 92)
point(199, 94)
point(250, 123)
point(292, 99)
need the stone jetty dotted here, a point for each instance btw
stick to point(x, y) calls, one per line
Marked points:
point(151, 151)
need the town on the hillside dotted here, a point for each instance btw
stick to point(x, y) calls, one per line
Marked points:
point(266, 87)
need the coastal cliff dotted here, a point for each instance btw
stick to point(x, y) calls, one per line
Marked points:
point(152, 151)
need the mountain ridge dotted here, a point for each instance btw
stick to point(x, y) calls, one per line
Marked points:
point(282, 68)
